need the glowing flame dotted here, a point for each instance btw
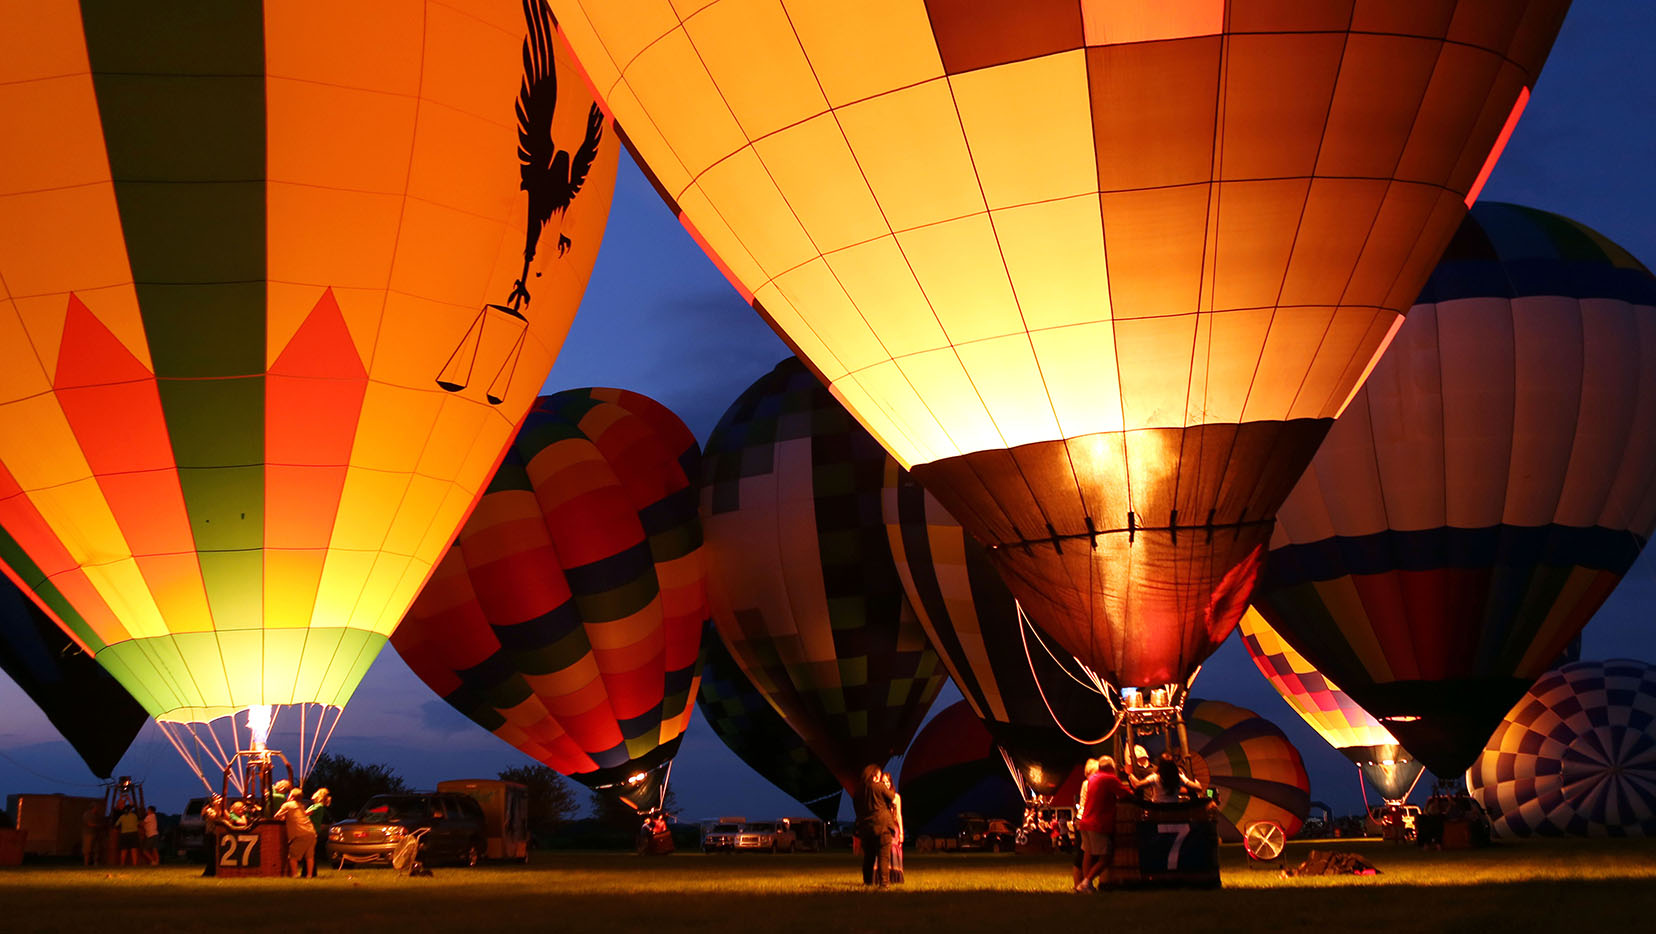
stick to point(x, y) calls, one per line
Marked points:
point(258, 723)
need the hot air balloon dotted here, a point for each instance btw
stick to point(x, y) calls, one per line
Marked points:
point(745, 722)
point(1034, 699)
point(954, 767)
point(240, 253)
point(805, 594)
point(1331, 712)
point(91, 709)
point(1256, 772)
point(1100, 274)
point(1485, 491)
point(1576, 756)
point(568, 617)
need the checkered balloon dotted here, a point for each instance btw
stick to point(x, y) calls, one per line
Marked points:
point(1576, 756)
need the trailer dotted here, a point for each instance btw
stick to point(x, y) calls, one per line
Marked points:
point(53, 823)
point(505, 814)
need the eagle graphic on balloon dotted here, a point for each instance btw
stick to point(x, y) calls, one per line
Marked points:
point(552, 177)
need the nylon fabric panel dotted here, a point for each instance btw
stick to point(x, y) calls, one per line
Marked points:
point(1328, 710)
point(804, 590)
point(568, 617)
point(1574, 756)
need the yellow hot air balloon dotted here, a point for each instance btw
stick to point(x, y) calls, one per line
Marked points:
point(265, 270)
point(1099, 272)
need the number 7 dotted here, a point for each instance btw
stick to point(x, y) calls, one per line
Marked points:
point(1179, 832)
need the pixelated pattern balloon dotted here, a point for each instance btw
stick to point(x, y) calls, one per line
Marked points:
point(1099, 272)
point(241, 241)
point(1487, 489)
point(569, 615)
point(745, 722)
point(804, 590)
point(1576, 757)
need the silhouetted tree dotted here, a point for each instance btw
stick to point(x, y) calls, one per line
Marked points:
point(352, 782)
point(551, 800)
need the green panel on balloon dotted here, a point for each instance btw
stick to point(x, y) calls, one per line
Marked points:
point(235, 588)
point(243, 654)
point(226, 506)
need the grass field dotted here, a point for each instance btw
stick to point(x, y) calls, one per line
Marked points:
point(1574, 886)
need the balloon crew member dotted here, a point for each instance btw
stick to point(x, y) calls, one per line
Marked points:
point(130, 828)
point(1103, 789)
point(212, 826)
point(320, 819)
point(93, 837)
point(896, 873)
point(1168, 785)
point(876, 825)
point(152, 836)
point(301, 836)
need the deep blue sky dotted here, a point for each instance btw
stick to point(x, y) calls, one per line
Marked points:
point(659, 319)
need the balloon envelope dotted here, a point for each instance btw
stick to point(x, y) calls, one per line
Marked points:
point(1033, 698)
point(1100, 278)
point(805, 594)
point(91, 709)
point(1330, 711)
point(568, 616)
point(953, 767)
point(1576, 756)
point(1485, 491)
point(745, 722)
point(240, 250)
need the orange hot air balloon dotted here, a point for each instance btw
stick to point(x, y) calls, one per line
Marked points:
point(1100, 274)
point(244, 250)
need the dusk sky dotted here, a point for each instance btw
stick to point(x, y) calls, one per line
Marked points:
point(658, 318)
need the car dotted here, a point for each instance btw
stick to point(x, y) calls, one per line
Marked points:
point(722, 837)
point(981, 833)
point(455, 829)
point(191, 838)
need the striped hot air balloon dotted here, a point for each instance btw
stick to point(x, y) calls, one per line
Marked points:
point(746, 723)
point(243, 242)
point(1576, 756)
point(1330, 711)
point(1100, 272)
point(805, 594)
point(954, 766)
point(568, 617)
point(1257, 772)
point(1031, 695)
point(1485, 491)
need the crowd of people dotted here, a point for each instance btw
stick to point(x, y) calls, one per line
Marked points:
point(306, 824)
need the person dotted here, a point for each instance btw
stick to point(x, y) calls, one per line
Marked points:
point(93, 835)
point(1168, 784)
point(876, 825)
point(1097, 822)
point(212, 826)
point(896, 873)
point(1142, 767)
point(130, 837)
point(1088, 769)
point(236, 817)
point(301, 836)
point(321, 820)
point(152, 836)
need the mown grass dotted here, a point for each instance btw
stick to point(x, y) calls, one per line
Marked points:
point(1572, 885)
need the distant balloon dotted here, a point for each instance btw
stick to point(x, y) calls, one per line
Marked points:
point(1330, 711)
point(1576, 756)
point(568, 616)
point(1100, 274)
point(1486, 489)
point(86, 705)
point(804, 591)
point(1028, 692)
point(742, 718)
point(954, 767)
point(244, 242)
point(1256, 771)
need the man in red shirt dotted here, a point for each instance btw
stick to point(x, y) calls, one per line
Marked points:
point(1097, 822)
